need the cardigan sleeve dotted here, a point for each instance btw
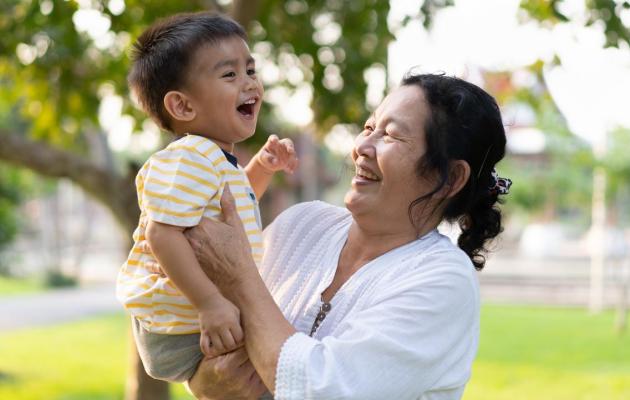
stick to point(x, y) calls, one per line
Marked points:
point(422, 330)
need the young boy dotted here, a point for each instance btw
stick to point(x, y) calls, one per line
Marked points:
point(194, 75)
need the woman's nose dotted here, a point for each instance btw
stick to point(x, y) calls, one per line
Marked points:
point(364, 146)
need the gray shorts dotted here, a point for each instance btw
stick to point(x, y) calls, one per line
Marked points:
point(172, 358)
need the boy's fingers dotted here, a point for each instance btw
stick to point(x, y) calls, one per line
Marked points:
point(217, 344)
point(153, 267)
point(204, 343)
point(228, 341)
point(144, 246)
point(292, 165)
point(288, 145)
point(266, 156)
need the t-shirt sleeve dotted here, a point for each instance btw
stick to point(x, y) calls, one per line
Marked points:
point(178, 186)
point(397, 348)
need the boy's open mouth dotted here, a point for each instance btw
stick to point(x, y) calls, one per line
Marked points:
point(247, 108)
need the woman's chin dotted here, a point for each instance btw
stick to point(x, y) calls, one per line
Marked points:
point(354, 201)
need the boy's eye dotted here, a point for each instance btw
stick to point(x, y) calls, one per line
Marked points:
point(229, 75)
point(251, 71)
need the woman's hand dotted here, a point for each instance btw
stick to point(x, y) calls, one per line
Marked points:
point(221, 246)
point(230, 376)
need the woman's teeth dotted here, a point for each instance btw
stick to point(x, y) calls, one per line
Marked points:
point(366, 174)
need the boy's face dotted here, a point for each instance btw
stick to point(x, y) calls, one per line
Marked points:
point(225, 92)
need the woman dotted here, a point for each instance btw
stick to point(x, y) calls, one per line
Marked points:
point(370, 302)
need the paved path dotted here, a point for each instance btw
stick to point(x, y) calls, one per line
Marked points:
point(505, 281)
point(56, 306)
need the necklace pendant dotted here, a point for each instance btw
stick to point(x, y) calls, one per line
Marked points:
point(321, 315)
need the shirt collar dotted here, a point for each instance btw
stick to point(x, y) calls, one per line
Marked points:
point(231, 158)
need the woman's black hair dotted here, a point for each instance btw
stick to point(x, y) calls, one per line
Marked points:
point(464, 123)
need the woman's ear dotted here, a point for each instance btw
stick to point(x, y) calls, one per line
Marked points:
point(179, 107)
point(458, 175)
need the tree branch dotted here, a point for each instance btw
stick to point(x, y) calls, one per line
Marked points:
point(114, 191)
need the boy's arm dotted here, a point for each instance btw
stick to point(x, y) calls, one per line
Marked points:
point(177, 259)
point(259, 176)
point(219, 319)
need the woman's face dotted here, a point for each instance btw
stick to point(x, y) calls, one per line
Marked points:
point(385, 155)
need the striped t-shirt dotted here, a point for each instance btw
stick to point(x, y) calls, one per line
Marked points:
point(178, 186)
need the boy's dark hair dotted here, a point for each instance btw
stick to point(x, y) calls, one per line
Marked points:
point(163, 53)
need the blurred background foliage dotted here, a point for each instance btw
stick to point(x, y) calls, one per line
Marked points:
point(55, 74)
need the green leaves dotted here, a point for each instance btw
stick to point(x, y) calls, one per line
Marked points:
point(605, 12)
point(57, 55)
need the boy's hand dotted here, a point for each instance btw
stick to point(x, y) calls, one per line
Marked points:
point(277, 155)
point(221, 330)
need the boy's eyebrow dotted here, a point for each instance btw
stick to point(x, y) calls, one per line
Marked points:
point(232, 62)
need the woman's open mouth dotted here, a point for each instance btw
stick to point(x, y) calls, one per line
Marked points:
point(366, 175)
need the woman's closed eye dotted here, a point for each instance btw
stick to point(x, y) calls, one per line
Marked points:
point(390, 135)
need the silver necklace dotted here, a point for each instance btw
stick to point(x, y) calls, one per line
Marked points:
point(324, 309)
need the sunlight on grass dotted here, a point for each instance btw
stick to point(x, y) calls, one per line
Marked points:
point(85, 360)
point(546, 353)
point(14, 286)
point(525, 353)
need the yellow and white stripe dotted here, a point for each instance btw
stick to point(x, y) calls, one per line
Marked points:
point(178, 186)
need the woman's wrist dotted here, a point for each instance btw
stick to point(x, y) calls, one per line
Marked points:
point(242, 284)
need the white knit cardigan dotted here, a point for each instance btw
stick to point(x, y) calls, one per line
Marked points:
point(404, 326)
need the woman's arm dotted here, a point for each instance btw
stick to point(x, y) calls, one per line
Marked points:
point(417, 334)
point(224, 253)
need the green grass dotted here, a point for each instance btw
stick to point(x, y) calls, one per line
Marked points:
point(525, 353)
point(13, 286)
point(544, 353)
point(75, 361)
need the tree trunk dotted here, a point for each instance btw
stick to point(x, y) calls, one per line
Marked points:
point(141, 386)
point(116, 192)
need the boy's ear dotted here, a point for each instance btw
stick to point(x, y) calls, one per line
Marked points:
point(178, 105)
point(458, 175)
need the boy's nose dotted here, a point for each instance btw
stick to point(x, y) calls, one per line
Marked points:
point(250, 84)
